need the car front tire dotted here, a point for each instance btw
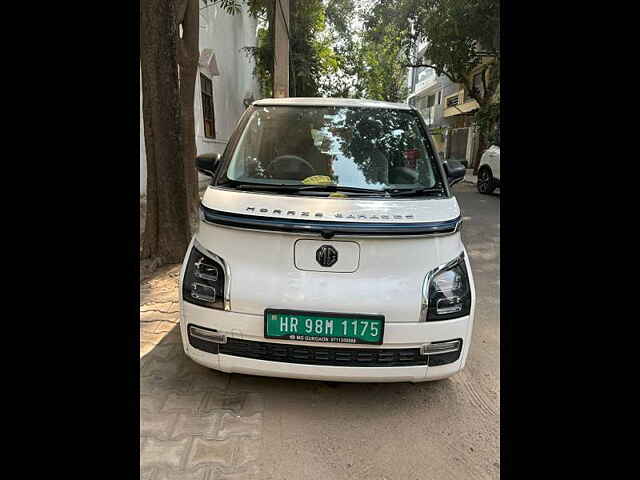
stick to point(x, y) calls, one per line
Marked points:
point(486, 182)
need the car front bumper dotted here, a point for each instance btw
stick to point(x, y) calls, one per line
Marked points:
point(250, 328)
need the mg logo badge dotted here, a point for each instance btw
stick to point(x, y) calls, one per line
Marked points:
point(326, 255)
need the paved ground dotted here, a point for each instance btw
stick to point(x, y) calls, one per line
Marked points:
point(200, 424)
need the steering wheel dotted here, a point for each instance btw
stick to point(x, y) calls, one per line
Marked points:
point(403, 175)
point(290, 167)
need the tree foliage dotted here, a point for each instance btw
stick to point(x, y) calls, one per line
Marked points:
point(329, 54)
point(342, 74)
point(369, 60)
point(460, 35)
point(462, 41)
point(384, 74)
point(229, 6)
point(310, 52)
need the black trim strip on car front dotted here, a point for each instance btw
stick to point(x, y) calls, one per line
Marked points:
point(320, 355)
point(328, 228)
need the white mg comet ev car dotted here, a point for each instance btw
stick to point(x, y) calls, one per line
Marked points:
point(329, 248)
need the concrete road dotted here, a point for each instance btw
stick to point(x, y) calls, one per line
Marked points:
point(198, 423)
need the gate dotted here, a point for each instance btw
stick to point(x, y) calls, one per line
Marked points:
point(457, 144)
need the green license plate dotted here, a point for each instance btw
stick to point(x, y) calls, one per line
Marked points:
point(323, 327)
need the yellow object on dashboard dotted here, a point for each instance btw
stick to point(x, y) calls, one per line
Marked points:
point(318, 180)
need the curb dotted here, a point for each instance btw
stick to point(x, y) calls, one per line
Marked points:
point(470, 177)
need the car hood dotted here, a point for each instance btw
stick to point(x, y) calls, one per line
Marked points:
point(354, 209)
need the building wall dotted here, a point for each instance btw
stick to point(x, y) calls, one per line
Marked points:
point(445, 126)
point(457, 129)
point(445, 87)
point(449, 88)
point(430, 86)
point(226, 35)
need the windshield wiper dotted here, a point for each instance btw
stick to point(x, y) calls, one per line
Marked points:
point(392, 192)
point(307, 188)
point(397, 192)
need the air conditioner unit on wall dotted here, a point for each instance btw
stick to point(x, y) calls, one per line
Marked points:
point(208, 62)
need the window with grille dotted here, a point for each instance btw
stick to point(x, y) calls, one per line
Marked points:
point(453, 100)
point(208, 115)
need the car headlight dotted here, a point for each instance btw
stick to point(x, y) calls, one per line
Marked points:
point(204, 279)
point(446, 292)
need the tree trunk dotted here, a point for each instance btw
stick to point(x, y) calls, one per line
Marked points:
point(484, 102)
point(167, 231)
point(482, 146)
point(188, 57)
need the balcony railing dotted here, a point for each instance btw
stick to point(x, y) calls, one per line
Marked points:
point(426, 83)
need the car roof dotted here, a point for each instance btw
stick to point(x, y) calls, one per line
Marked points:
point(329, 102)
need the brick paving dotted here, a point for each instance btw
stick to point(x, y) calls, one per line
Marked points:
point(191, 425)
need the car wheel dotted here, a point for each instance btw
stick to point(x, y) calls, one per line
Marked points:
point(486, 182)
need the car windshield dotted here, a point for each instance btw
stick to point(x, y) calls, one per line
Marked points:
point(332, 149)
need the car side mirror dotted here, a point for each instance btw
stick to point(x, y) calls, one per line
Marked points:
point(207, 163)
point(455, 171)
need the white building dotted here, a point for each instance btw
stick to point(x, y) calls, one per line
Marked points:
point(225, 82)
point(445, 109)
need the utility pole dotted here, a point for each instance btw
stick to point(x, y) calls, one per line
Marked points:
point(281, 57)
